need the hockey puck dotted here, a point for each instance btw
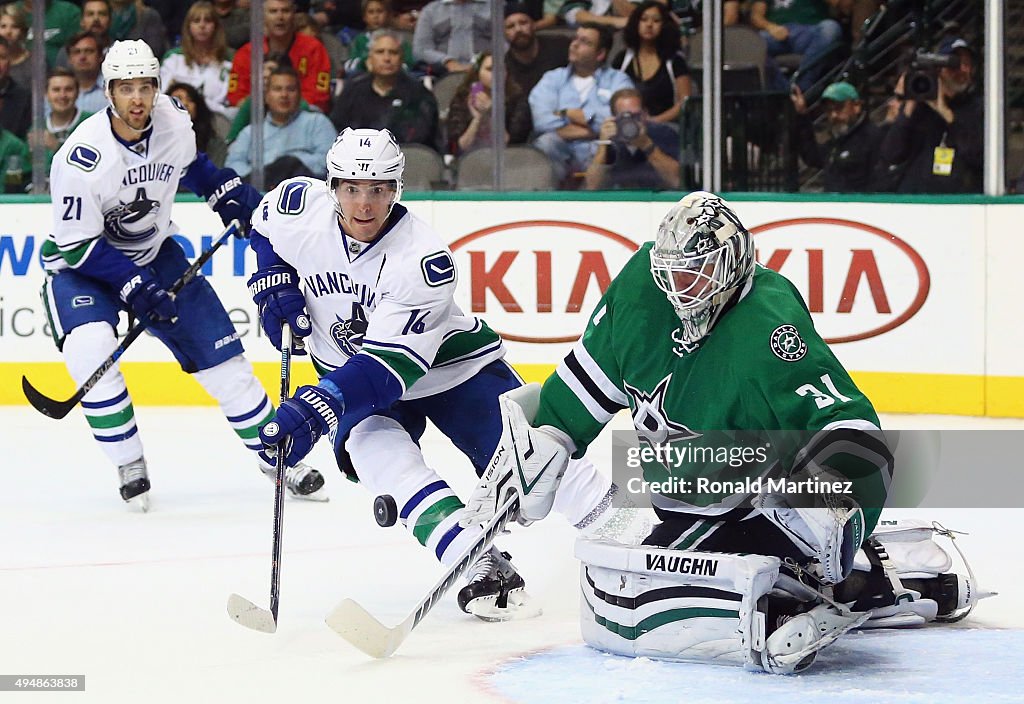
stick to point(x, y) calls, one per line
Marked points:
point(385, 510)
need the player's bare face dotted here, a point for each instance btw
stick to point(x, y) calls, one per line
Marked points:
point(133, 101)
point(366, 205)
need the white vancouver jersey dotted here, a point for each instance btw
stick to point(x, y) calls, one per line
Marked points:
point(101, 187)
point(392, 299)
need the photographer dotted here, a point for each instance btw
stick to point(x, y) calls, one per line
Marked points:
point(633, 152)
point(938, 143)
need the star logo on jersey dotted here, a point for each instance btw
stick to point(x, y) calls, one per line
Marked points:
point(787, 344)
point(349, 333)
point(119, 220)
point(650, 419)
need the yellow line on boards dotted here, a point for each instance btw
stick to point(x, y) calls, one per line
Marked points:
point(164, 384)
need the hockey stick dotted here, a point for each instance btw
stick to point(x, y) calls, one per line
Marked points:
point(355, 624)
point(58, 409)
point(240, 608)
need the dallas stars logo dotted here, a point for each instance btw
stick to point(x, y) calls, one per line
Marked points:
point(787, 344)
point(650, 419)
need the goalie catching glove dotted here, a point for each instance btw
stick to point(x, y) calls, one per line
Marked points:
point(528, 461)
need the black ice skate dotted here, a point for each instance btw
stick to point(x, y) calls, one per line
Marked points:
point(495, 591)
point(302, 481)
point(135, 483)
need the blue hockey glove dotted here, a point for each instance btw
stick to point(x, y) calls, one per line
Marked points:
point(235, 200)
point(307, 415)
point(147, 300)
point(275, 291)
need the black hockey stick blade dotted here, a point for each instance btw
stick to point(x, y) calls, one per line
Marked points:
point(251, 616)
point(46, 405)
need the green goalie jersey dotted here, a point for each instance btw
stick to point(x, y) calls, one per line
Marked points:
point(762, 379)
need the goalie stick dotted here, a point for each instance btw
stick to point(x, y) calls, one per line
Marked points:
point(58, 409)
point(355, 624)
point(239, 608)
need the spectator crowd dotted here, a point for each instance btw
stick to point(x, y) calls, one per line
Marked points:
point(597, 86)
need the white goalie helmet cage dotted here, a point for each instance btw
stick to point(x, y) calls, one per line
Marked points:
point(365, 155)
point(129, 58)
point(701, 256)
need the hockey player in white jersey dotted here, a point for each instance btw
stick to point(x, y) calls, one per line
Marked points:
point(370, 286)
point(112, 185)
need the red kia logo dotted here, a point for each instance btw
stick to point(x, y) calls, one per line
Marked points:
point(538, 280)
point(859, 281)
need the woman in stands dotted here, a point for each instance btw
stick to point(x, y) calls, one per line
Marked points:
point(469, 115)
point(207, 139)
point(203, 60)
point(14, 28)
point(654, 60)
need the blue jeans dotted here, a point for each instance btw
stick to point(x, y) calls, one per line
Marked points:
point(811, 41)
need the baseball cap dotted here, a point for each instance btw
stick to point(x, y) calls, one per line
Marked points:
point(515, 8)
point(840, 92)
point(949, 45)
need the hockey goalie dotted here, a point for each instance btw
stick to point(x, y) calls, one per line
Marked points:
point(696, 339)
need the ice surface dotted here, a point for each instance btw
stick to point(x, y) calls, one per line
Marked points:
point(136, 603)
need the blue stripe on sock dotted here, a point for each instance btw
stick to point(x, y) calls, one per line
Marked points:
point(254, 412)
point(104, 404)
point(446, 540)
point(418, 497)
point(118, 438)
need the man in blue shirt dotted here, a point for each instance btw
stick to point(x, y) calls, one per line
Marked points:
point(295, 142)
point(570, 103)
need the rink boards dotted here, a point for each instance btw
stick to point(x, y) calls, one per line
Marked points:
point(919, 299)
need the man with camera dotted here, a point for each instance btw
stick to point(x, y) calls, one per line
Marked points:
point(937, 137)
point(632, 151)
point(849, 157)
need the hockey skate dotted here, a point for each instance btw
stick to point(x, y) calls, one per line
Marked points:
point(302, 481)
point(135, 483)
point(792, 647)
point(904, 578)
point(495, 591)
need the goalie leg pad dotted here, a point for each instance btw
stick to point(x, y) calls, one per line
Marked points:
point(674, 605)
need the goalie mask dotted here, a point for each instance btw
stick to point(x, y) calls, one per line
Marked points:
point(364, 155)
point(701, 257)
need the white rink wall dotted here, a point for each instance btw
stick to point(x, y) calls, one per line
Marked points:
point(918, 299)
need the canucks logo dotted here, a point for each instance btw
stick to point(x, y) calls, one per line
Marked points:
point(121, 221)
point(349, 333)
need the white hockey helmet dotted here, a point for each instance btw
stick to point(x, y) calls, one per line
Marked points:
point(129, 58)
point(364, 155)
point(701, 257)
